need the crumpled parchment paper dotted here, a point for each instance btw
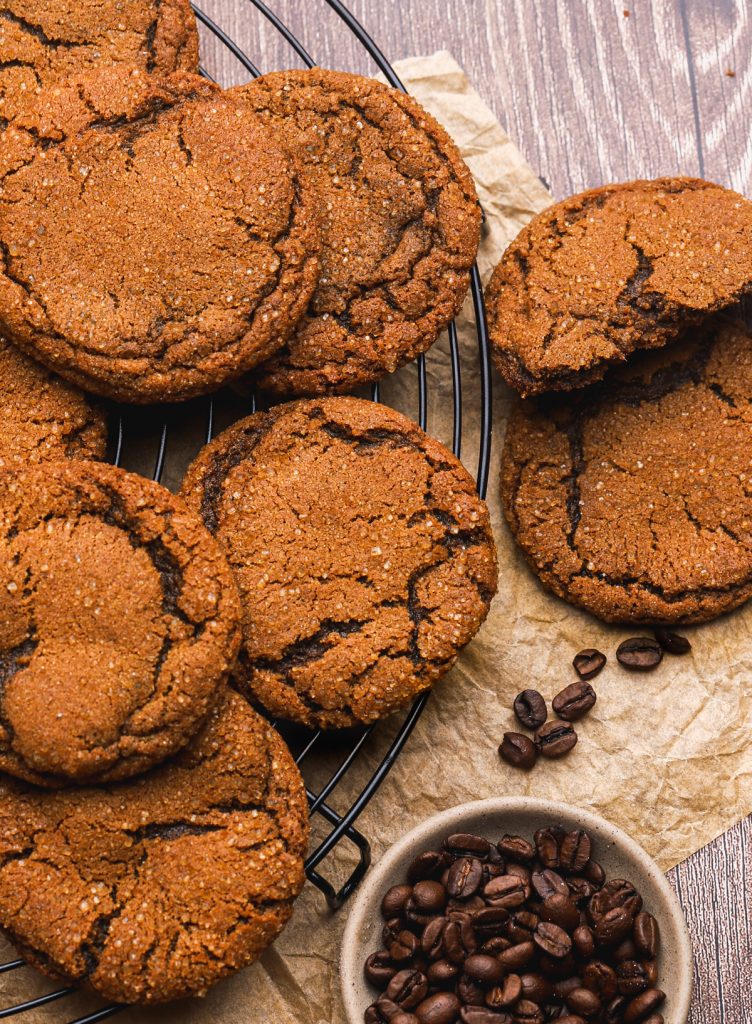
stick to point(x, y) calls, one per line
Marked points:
point(666, 756)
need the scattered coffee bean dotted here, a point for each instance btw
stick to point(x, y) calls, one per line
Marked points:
point(518, 750)
point(515, 933)
point(530, 709)
point(672, 643)
point(588, 663)
point(555, 739)
point(640, 654)
point(574, 701)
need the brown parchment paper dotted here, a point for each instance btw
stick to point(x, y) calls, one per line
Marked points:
point(666, 756)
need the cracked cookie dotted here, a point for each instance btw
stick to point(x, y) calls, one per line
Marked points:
point(633, 498)
point(43, 418)
point(154, 238)
point(364, 557)
point(45, 40)
point(119, 623)
point(156, 888)
point(612, 270)
point(401, 226)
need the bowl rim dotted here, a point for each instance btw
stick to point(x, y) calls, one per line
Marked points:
point(375, 881)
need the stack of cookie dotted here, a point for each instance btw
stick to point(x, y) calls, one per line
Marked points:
point(627, 478)
point(326, 562)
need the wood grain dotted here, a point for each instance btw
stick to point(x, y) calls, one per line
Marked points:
point(591, 94)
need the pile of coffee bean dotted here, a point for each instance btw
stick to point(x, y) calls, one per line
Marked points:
point(644, 653)
point(514, 932)
point(552, 739)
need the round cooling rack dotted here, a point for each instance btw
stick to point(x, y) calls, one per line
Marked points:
point(162, 430)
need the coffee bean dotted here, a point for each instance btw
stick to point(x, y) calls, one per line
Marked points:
point(394, 900)
point(427, 865)
point(378, 969)
point(643, 1005)
point(555, 739)
point(459, 941)
point(654, 1018)
point(470, 992)
point(575, 851)
point(632, 978)
point(530, 708)
point(639, 654)
point(407, 988)
point(617, 892)
point(404, 947)
point(651, 972)
point(559, 909)
point(390, 931)
point(536, 988)
point(672, 643)
point(441, 1008)
point(547, 847)
point(516, 848)
point(526, 1012)
point(506, 891)
point(520, 871)
point(465, 878)
point(584, 1002)
point(557, 969)
point(588, 663)
point(522, 925)
point(547, 883)
point(594, 873)
point(517, 957)
point(496, 945)
point(428, 897)
point(486, 970)
point(381, 1012)
point(463, 844)
point(574, 701)
point(480, 1015)
point(552, 939)
point(490, 922)
point(431, 941)
point(647, 935)
point(614, 1012)
point(404, 1017)
point(613, 926)
point(580, 889)
point(600, 978)
point(626, 950)
point(442, 973)
point(583, 941)
point(518, 751)
point(563, 988)
point(505, 994)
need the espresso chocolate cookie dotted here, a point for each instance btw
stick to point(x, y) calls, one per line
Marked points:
point(118, 623)
point(612, 270)
point(156, 888)
point(154, 238)
point(44, 418)
point(401, 225)
point(633, 498)
point(364, 556)
point(45, 40)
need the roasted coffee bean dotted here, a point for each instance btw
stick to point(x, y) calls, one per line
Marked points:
point(563, 988)
point(407, 988)
point(428, 897)
point(442, 973)
point(505, 994)
point(583, 941)
point(654, 1018)
point(393, 903)
point(404, 947)
point(557, 969)
point(490, 922)
point(632, 978)
point(584, 1002)
point(428, 865)
point(672, 643)
point(552, 939)
point(588, 663)
point(506, 891)
point(518, 751)
point(613, 926)
point(459, 940)
point(496, 945)
point(431, 941)
point(521, 871)
point(616, 893)
point(404, 1017)
point(463, 844)
point(530, 708)
point(555, 739)
point(464, 878)
point(580, 889)
point(526, 1012)
point(536, 988)
point(594, 873)
point(643, 1005)
point(517, 957)
point(522, 925)
point(574, 701)
point(626, 950)
point(469, 906)
point(441, 1008)
point(651, 972)
point(480, 1015)
point(381, 1012)
point(639, 654)
point(559, 909)
point(516, 848)
point(647, 935)
point(379, 969)
point(600, 978)
point(486, 970)
point(547, 847)
point(470, 992)
point(390, 931)
point(614, 1012)
point(547, 883)
point(574, 852)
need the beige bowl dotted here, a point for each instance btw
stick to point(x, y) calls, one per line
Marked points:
point(620, 856)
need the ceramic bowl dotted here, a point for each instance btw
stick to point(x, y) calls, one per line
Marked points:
point(620, 856)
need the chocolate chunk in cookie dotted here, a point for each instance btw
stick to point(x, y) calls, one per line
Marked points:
point(612, 270)
point(43, 417)
point(119, 623)
point(633, 498)
point(401, 225)
point(154, 238)
point(45, 40)
point(364, 556)
point(156, 888)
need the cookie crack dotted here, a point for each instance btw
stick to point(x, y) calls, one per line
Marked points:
point(32, 29)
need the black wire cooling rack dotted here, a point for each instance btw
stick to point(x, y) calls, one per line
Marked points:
point(338, 826)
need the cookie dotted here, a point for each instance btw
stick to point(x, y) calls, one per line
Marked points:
point(612, 270)
point(43, 418)
point(401, 225)
point(633, 499)
point(154, 236)
point(119, 623)
point(155, 888)
point(45, 40)
point(363, 555)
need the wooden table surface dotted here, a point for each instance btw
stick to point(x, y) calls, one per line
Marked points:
point(592, 91)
